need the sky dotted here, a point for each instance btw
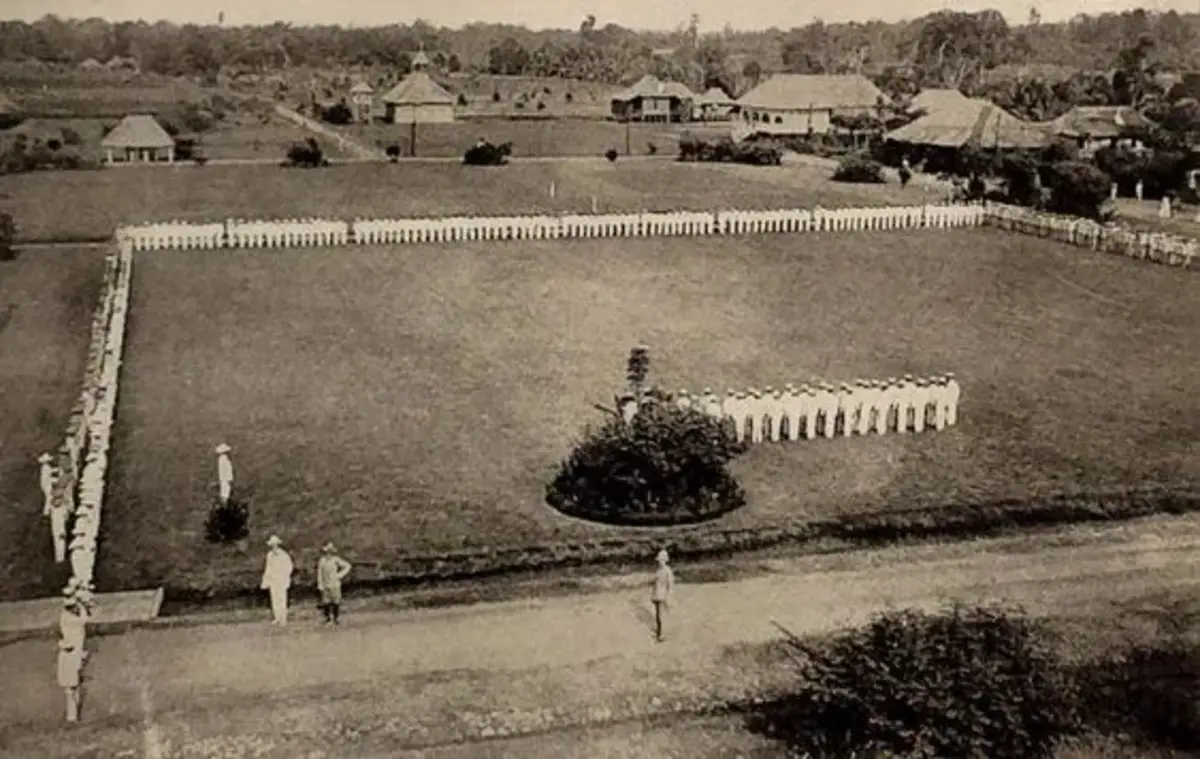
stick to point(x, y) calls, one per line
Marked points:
point(637, 14)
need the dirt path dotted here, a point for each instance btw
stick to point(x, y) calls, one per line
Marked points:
point(177, 669)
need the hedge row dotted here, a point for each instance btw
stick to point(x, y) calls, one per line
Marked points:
point(955, 522)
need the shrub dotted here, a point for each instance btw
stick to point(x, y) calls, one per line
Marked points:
point(462, 99)
point(393, 152)
point(664, 465)
point(859, 169)
point(1077, 189)
point(651, 148)
point(307, 154)
point(611, 154)
point(228, 521)
point(541, 106)
point(8, 236)
point(54, 144)
point(967, 682)
point(488, 154)
point(71, 137)
point(338, 114)
point(186, 148)
point(495, 97)
point(725, 150)
point(569, 97)
point(519, 105)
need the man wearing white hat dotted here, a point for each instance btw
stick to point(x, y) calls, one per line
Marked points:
point(920, 400)
point(756, 409)
point(793, 411)
point(224, 473)
point(734, 409)
point(809, 407)
point(953, 392)
point(870, 400)
point(277, 579)
point(683, 401)
point(830, 402)
point(46, 478)
point(55, 508)
point(664, 589)
point(70, 666)
point(628, 406)
point(772, 413)
point(711, 404)
point(938, 399)
point(331, 570)
point(847, 402)
point(77, 607)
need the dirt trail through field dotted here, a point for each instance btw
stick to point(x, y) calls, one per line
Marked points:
point(189, 667)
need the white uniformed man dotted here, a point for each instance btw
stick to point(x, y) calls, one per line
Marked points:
point(891, 403)
point(792, 410)
point(830, 402)
point(70, 666)
point(845, 408)
point(755, 404)
point(808, 395)
point(224, 473)
point(953, 392)
point(905, 399)
point(735, 411)
point(866, 405)
point(628, 406)
point(46, 480)
point(711, 404)
point(277, 579)
point(683, 401)
point(772, 413)
point(920, 401)
point(938, 399)
point(818, 421)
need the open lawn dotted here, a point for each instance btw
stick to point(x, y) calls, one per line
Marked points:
point(46, 302)
point(99, 201)
point(406, 401)
point(533, 137)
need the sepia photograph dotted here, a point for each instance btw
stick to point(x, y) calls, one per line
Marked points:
point(622, 380)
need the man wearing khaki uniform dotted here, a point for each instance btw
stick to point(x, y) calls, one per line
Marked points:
point(331, 570)
point(664, 589)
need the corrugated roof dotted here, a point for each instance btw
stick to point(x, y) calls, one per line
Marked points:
point(936, 99)
point(973, 122)
point(138, 131)
point(715, 96)
point(803, 91)
point(650, 86)
point(1100, 121)
point(418, 89)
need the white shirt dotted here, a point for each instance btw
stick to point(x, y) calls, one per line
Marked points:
point(224, 468)
point(278, 570)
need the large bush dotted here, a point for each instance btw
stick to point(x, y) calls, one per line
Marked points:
point(338, 114)
point(967, 682)
point(667, 466)
point(307, 154)
point(859, 169)
point(228, 521)
point(1078, 189)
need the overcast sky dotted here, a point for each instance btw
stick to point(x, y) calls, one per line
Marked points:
point(639, 14)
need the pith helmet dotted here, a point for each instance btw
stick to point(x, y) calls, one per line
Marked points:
point(222, 448)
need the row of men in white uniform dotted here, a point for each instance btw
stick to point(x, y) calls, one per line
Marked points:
point(822, 410)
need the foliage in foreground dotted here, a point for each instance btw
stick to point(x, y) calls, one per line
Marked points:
point(488, 154)
point(966, 682)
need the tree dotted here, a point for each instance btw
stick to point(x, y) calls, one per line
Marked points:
point(508, 58)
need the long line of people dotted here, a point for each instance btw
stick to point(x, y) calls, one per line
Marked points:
point(821, 409)
point(241, 233)
point(73, 491)
point(1157, 247)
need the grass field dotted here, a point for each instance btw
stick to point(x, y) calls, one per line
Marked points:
point(102, 200)
point(46, 300)
point(534, 137)
point(409, 401)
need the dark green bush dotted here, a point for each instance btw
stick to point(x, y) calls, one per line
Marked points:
point(393, 152)
point(726, 150)
point(228, 522)
point(967, 682)
point(307, 154)
point(338, 114)
point(1077, 189)
point(611, 154)
point(8, 235)
point(488, 154)
point(668, 466)
point(859, 169)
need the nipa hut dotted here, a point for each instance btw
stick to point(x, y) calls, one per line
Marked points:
point(138, 138)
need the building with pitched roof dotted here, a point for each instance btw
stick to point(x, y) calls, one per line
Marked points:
point(975, 123)
point(797, 104)
point(138, 138)
point(714, 105)
point(927, 101)
point(418, 99)
point(651, 99)
point(362, 99)
point(1095, 126)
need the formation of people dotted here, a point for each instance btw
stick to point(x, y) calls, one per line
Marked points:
point(822, 409)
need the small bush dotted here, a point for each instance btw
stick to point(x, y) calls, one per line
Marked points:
point(228, 522)
point(725, 150)
point(338, 114)
point(393, 152)
point(519, 105)
point(611, 154)
point(651, 148)
point(488, 154)
point(54, 144)
point(569, 97)
point(541, 106)
point(860, 170)
point(495, 97)
point(307, 154)
point(968, 682)
point(200, 160)
point(462, 99)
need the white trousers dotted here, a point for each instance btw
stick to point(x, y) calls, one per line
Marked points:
point(58, 533)
point(279, 604)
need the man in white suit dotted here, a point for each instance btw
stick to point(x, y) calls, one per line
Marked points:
point(953, 393)
point(755, 407)
point(711, 403)
point(277, 579)
point(224, 473)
